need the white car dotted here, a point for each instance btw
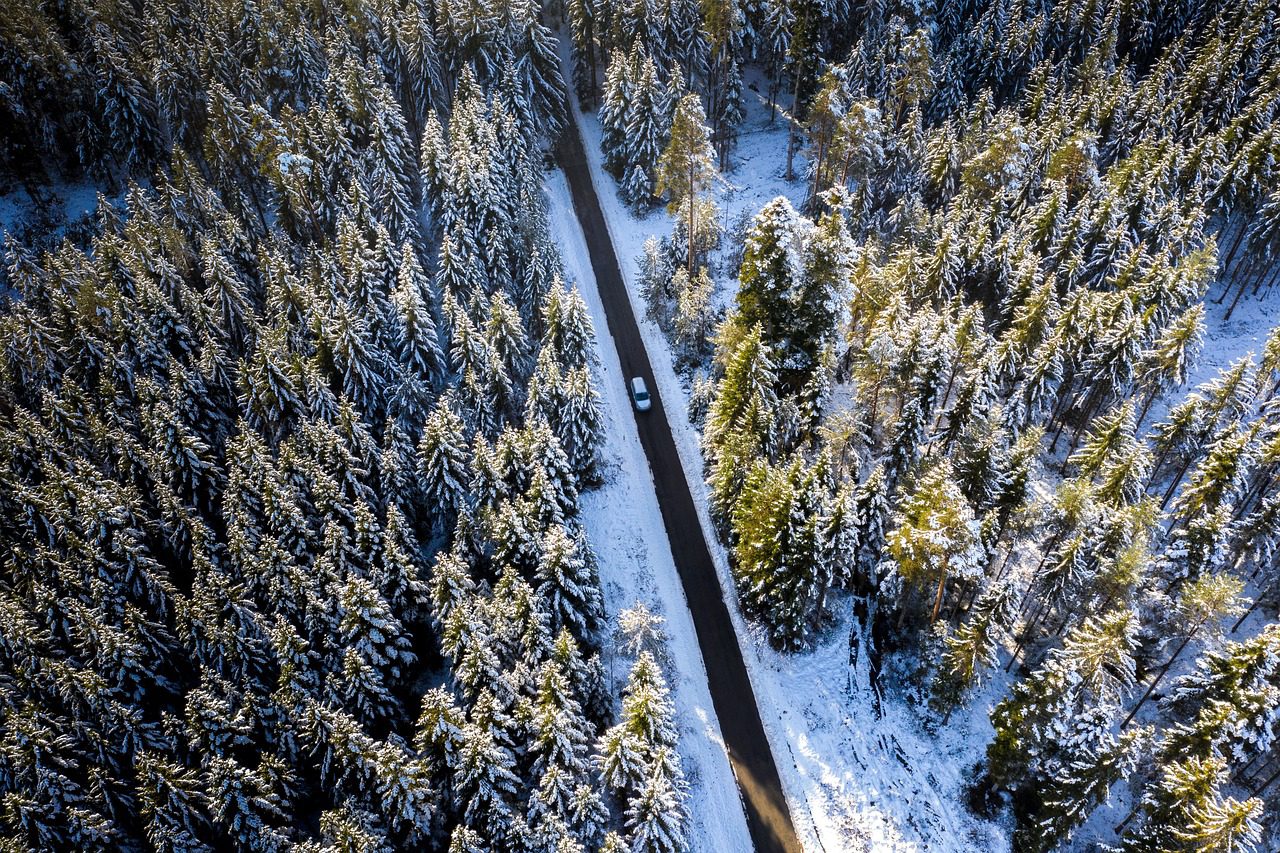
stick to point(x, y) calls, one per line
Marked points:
point(639, 394)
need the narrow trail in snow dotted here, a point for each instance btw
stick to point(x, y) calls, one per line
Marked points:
point(768, 817)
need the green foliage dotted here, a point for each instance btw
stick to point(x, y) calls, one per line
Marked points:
point(935, 537)
point(781, 553)
point(792, 273)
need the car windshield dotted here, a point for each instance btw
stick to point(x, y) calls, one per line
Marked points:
point(642, 395)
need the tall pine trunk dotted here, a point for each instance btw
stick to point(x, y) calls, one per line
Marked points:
point(937, 601)
point(1164, 670)
point(791, 129)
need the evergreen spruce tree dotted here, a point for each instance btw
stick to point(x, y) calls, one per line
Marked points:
point(418, 343)
point(685, 171)
point(935, 540)
point(972, 648)
point(781, 567)
point(694, 316)
point(1167, 361)
point(791, 274)
point(1184, 810)
point(1034, 724)
point(568, 582)
point(645, 134)
point(1229, 701)
point(443, 460)
point(583, 23)
point(643, 740)
point(656, 816)
point(1084, 782)
point(615, 111)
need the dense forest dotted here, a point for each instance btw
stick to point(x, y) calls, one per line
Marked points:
point(292, 434)
point(1014, 214)
point(295, 426)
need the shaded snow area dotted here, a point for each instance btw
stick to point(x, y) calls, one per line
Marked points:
point(625, 527)
point(854, 781)
point(62, 205)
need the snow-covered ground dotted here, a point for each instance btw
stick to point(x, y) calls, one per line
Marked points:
point(626, 531)
point(67, 202)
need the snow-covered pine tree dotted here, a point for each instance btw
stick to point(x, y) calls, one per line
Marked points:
point(1229, 703)
point(559, 747)
point(1184, 809)
point(1201, 609)
point(615, 110)
point(568, 582)
point(657, 815)
point(686, 170)
point(782, 568)
point(792, 272)
point(583, 23)
point(935, 540)
point(972, 649)
point(1034, 724)
point(740, 424)
point(645, 134)
point(1167, 360)
point(695, 316)
point(568, 333)
point(418, 342)
point(444, 463)
point(1080, 785)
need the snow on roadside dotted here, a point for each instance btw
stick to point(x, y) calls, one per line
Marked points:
point(625, 528)
point(853, 782)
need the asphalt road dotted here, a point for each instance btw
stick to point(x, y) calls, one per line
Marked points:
point(768, 817)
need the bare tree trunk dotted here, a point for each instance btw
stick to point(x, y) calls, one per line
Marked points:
point(1244, 285)
point(1177, 478)
point(795, 100)
point(959, 600)
point(1255, 492)
point(937, 601)
point(1231, 255)
point(1164, 670)
point(1130, 816)
point(1275, 277)
point(906, 605)
point(791, 128)
point(1004, 564)
point(1267, 784)
point(1065, 396)
point(819, 166)
point(1146, 407)
point(1026, 635)
point(1252, 607)
point(946, 395)
point(690, 224)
